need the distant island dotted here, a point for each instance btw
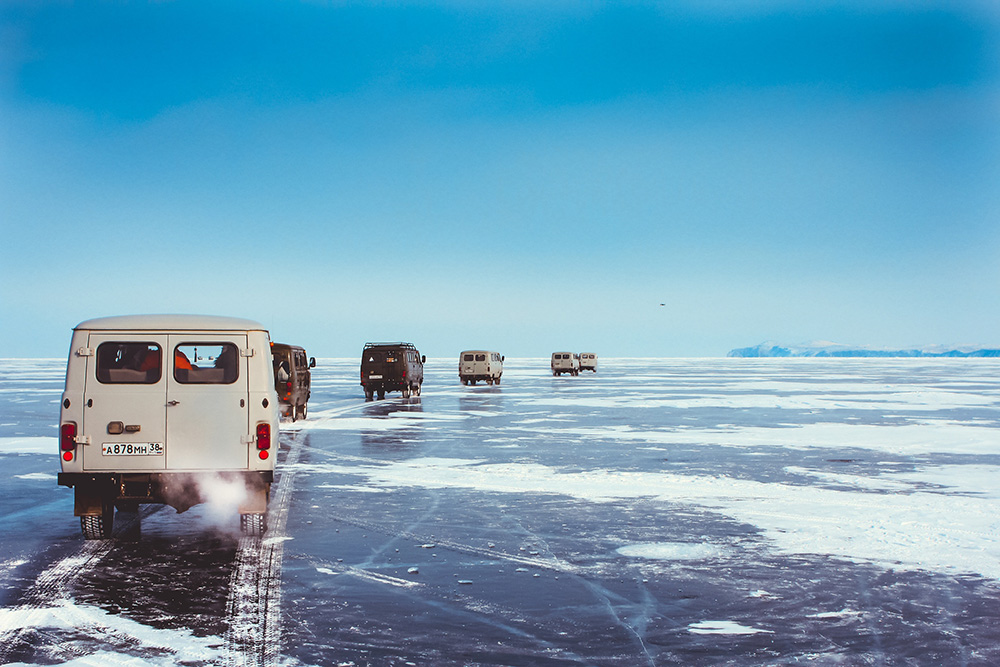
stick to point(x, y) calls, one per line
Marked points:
point(826, 349)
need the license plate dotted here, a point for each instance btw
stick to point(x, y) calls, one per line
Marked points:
point(374, 377)
point(132, 448)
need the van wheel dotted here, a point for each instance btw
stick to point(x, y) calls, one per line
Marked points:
point(369, 395)
point(406, 391)
point(253, 524)
point(95, 527)
point(381, 394)
point(418, 389)
point(497, 380)
point(304, 410)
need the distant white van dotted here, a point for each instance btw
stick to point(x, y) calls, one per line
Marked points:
point(565, 362)
point(475, 365)
point(588, 361)
point(163, 408)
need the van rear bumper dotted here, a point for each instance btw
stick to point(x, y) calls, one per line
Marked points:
point(180, 490)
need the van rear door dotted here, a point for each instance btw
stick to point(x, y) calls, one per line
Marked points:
point(208, 413)
point(125, 402)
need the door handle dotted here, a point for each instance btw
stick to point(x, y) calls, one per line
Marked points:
point(173, 402)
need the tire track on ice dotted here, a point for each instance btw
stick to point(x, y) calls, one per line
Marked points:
point(253, 608)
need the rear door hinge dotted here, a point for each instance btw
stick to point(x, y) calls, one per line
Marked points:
point(248, 439)
point(246, 352)
point(82, 440)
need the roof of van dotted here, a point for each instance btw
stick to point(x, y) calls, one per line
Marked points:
point(283, 346)
point(171, 323)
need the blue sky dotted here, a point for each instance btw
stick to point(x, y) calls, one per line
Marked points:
point(518, 176)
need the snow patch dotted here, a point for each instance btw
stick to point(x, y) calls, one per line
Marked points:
point(40, 476)
point(166, 647)
point(724, 628)
point(29, 445)
point(671, 551)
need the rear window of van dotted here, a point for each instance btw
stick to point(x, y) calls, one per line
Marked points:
point(129, 363)
point(206, 363)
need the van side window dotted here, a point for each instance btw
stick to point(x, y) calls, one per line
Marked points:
point(129, 363)
point(206, 363)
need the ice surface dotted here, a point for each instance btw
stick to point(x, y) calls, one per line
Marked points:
point(661, 512)
point(946, 533)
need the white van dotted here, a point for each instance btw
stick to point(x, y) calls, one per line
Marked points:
point(588, 361)
point(475, 365)
point(565, 362)
point(166, 409)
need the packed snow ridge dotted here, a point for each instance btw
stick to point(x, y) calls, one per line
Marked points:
point(828, 349)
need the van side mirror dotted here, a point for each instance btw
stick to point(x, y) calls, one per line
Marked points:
point(501, 358)
point(312, 362)
point(423, 359)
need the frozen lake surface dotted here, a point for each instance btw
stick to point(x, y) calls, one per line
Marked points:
point(659, 512)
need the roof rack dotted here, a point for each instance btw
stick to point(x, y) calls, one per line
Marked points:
point(408, 346)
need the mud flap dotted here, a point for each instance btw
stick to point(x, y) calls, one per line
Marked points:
point(256, 499)
point(93, 499)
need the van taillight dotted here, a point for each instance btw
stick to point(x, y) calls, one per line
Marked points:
point(67, 440)
point(67, 437)
point(263, 436)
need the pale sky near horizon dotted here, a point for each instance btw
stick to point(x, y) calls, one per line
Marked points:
point(516, 176)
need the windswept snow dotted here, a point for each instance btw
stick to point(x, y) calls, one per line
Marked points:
point(921, 529)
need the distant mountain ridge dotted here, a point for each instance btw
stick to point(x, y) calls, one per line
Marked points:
point(827, 349)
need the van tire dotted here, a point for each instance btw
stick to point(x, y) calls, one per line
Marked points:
point(406, 391)
point(497, 380)
point(419, 388)
point(95, 527)
point(369, 395)
point(253, 524)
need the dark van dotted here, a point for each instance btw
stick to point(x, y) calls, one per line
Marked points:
point(292, 379)
point(391, 367)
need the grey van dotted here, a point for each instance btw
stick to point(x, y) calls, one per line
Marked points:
point(163, 409)
point(565, 362)
point(475, 365)
point(588, 361)
point(292, 378)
